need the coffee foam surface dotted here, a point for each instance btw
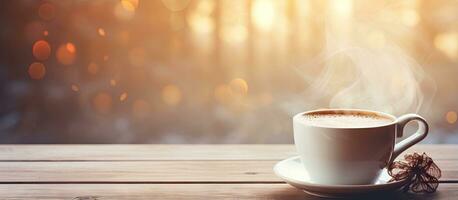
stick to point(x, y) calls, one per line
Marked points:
point(344, 120)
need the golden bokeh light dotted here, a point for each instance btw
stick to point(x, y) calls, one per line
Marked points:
point(201, 20)
point(66, 54)
point(229, 60)
point(171, 95)
point(123, 96)
point(201, 24)
point(124, 10)
point(93, 68)
point(75, 88)
point(447, 43)
point(205, 7)
point(238, 87)
point(129, 5)
point(341, 8)
point(46, 11)
point(102, 103)
point(41, 50)
point(134, 2)
point(175, 5)
point(70, 47)
point(451, 117)
point(113, 82)
point(141, 108)
point(263, 14)
point(37, 71)
point(232, 92)
point(233, 26)
point(410, 17)
point(101, 31)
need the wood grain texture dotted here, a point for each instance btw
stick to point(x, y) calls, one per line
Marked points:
point(158, 171)
point(90, 172)
point(176, 152)
point(184, 191)
point(145, 152)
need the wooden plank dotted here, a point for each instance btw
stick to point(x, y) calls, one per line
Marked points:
point(176, 152)
point(183, 191)
point(146, 171)
point(145, 152)
point(157, 171)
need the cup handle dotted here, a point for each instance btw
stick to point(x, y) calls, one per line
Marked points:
point(419, 135)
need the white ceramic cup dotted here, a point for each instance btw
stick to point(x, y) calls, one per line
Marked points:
point(352, 156)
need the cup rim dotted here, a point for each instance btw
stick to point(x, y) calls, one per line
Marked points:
point(343, 110)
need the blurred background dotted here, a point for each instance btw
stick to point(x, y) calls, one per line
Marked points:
point(226, 71)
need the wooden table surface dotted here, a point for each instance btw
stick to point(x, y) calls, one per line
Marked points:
point(89, 172)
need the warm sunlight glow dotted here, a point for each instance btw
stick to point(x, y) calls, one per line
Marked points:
point(341, 8)
point(128, 71)
point(129, 5)
point(201, 21)
point(410, 17)
point(263, 14)
point(447, 43)
point(201, 24)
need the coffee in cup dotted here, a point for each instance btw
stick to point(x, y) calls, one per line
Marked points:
point(349, 146)
point(344, 120)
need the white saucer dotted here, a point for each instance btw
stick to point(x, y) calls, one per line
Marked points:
point(292, 171)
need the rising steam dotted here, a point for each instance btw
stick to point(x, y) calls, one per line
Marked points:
point(358, 73)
